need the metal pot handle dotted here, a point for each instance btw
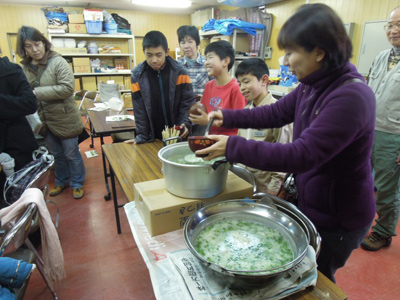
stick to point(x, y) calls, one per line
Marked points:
point(217, 163)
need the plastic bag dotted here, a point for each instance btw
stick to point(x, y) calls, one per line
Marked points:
point(122, 22)
point(107, 18)
point(93, 48)
point(35, 122)
point(17, 183)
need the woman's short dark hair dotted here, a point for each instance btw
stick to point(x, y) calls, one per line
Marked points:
point(154, 39)
point(223, 49)
point(253, 66)
point(187, 30)
point(317, 25)
point(30, 33)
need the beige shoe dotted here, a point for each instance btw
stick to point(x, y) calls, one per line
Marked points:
point(375, 242)
point(57, 190)
point(78, 193)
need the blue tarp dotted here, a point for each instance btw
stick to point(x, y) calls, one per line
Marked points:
point(56, 15)
point(226, 26)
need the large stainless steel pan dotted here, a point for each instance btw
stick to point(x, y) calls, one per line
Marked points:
point(290, 228)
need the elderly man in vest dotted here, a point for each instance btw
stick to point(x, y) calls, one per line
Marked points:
point(384, 79)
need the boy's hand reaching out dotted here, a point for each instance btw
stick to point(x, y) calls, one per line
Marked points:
point(199, 118)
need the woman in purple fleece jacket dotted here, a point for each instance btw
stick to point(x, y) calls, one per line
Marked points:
point(333, 111)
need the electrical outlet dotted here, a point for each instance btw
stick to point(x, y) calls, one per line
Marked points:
point(268, 52)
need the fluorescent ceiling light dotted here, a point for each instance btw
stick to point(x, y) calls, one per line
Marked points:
point(164, 3)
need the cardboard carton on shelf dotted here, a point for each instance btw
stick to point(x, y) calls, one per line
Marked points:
point(76, 19)
point(89, 83)
point(117, 79)
point(121, 61)
point(77, 28)
point(163, 212)
point(81, 64)
point(77, 85)
point(71, 50)
point(127, 82)
point(242, 42)
point(127, 100)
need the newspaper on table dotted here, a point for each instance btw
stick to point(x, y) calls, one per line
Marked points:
point(197, 284)
point(99, 106)
point(163, 253)
point(120, 118)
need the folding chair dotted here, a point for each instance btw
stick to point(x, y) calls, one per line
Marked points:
point(13, 240)
point(41, 182)
point(81, 96)
point(30, 221)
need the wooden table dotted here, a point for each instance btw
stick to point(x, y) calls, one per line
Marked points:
point(131, 164)
point(100, 128)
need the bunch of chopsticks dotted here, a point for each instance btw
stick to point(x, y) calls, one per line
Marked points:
point(170, 132)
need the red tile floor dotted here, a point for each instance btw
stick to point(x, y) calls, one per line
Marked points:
point(102, 265)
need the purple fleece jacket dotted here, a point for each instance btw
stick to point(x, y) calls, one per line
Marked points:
point(332, 140)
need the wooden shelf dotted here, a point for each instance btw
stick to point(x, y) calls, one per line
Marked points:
point(121, 72)
point(88, 35)
point(97, 55)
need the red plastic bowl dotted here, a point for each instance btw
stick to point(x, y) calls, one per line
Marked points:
point(198, 143)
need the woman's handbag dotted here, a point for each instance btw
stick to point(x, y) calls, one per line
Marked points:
point(288, 190)
point(83, 136)
point(35, 122)
point(22, 179)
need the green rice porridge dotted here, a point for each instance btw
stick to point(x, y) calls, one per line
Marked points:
point(242, 245)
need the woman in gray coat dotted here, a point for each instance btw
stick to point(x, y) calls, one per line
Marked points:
point(52, 82)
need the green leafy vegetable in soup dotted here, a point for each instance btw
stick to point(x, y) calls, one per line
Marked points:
point(242, 245)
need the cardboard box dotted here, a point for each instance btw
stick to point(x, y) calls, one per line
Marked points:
point(163, 212)
point(71, 50)
point(77, 28)
point(93, 15)
point(242, 42)
point(76, 19)
point(81, 64)
point(117, 79)
point(127, 100)
point(78, 85)
point(121, 61)
point(89, 83)
point(127, 82)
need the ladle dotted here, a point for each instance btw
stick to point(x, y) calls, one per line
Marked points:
point(208, 126)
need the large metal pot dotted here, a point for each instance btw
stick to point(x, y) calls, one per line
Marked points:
point(191, 181)
point(247, 210)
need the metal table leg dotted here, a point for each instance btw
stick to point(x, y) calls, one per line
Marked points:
point(91, 133)
point(116, 206)
point(107, 197)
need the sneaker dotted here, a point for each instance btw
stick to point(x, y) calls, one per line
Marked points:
point(78, 193)
point(375, 242)
point(57, 190)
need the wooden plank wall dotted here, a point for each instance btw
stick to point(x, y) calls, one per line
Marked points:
point(357, 11)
